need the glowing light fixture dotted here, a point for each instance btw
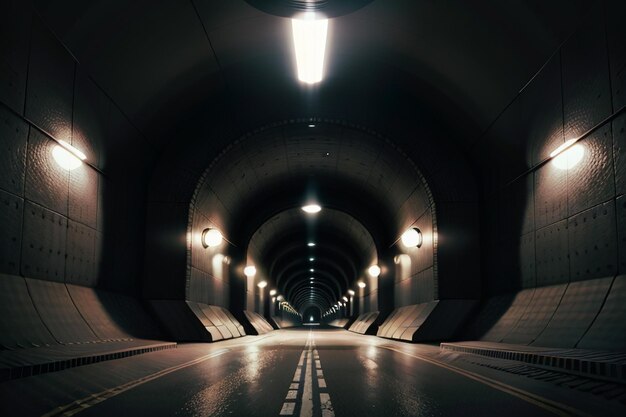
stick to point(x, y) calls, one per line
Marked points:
point(311, 259)
point(311, 125)
point(262, 284)
point(312, 208)
point(272, 292)
point(361, 284)
point(67, 156)
point(345, 298)
point(309, 39)
point(374, 270)
point(312, 270)
point(311, 318)
point(211, 238)
point(568, 155)
point(310, 244)
point(249, 271)
point(351, 292)
point(412, 238)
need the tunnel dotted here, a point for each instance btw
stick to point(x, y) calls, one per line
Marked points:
point(312, 208)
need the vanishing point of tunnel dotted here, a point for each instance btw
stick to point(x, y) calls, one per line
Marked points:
point(312, 208)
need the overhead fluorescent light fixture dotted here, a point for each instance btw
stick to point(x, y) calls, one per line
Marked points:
point(309, 39)
point(312, 208)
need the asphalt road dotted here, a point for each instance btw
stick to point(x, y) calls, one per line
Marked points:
point(307, 372)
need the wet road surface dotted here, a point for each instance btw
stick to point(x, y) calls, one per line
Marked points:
point(306, 372)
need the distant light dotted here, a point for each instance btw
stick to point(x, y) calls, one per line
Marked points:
point(374, 270)
point(310, 244)
point(211, 238)
point(412, 238)
point(345, 298)
point(311, 125)
point(361, 284)
point(311, 270)
point(311, 318)
point(312, 208)
point(309, 39)
point(351, 292)
point(262, 284)
point(272, 292)
point(568, 155)
point(273, 299)
point(249, 271)
point(67, 156)
point(311, 259)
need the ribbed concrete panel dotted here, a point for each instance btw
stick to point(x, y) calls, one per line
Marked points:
point(50, 90)
point(258, 323)
point(510, 318)
point(81, 246)
point(226, 321)
point(179, 321)
point(234, 321)
point(620, 204)
point(57, 311)
point(83, 198)
point(552, 254)
point(592, 239)
point(208, 325)
point(578, 308)
point(537, 316)
point(15, 30)
point(43, 244)
point(608, 331)
point(10, 232)
point(95, 313)
point(20, 324)
point(586, 89)
point(590, 182)
point(363, 324)
point(13, 136)
point(217, 320)
point(46, 182)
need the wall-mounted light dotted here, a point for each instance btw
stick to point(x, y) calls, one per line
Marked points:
point(412, 238)
point(249, 271)
point(374, 271)
point(351, 292)
point(345, 298)
point(311, 208)
point(568, 155)
point(211, 238)
point(67, 156)
point(262, 284)
point(272, 292)
point(309, 39)
point(361, 284)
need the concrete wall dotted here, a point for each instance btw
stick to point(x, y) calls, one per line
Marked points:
point(548, 231)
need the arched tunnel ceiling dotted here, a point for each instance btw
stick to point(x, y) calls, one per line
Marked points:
point(160, 61)
point(343, 249)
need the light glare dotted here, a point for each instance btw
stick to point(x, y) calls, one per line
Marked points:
point(67, 156)
point(309, 39)
point(211, 238)
point(412, 238)
point(374, 270)
point(310, 244)
point(312, 208)
point(361, 284)
point(262, 284)
point(272, 292)
point(249, 271)
point(351, 292)
point(568, 158)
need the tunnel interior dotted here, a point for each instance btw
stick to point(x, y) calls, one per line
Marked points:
point(468, 161)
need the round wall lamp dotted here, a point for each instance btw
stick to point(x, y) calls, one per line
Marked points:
point(262, 284)
point(249, 271)
point(351, 292)
point(211, 238)
point(67, 156)
point(361, 284)
point(412, 238)
point(272, 292)
point(374, 271)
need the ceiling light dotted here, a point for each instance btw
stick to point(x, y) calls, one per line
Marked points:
point(568, 155)
point(311, 270)
point(310, 244)
point(351, 292)
point(272, 292)
point(412, 238)
point(67, 156)
point(211, 238)
point(312, 208)
point(262, 284)
point(311, 125)
point(311, 259)
point(374, 270)
point(309, 39)
point(249, 271)
point(361, 284)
